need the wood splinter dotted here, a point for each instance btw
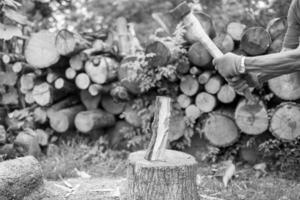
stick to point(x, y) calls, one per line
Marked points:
point(160, 129)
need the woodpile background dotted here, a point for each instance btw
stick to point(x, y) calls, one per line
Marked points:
point(105, 84)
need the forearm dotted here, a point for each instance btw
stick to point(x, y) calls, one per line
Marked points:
point(273, 65)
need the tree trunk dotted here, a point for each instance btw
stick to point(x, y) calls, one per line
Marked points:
point(255, 41)
point(21, 178)
point(111, 105)
point(251, 118)
point(235, 30)
point(224, 42)
point(214, 84)
point(63, 120)
point(226, 94)
point(204, 77)
point(68, 43)
point(184, 101)
point(40, 51)
point(174, 178)
point(87, 121)
point(199, 56)
point(206, 102)
point(189, 85)
point(220, 129)
point(284, 121)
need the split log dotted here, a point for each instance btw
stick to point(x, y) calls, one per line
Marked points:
point(160, 54)
point(199, 56)
point(21, 178)
point(255, 41)
point(128, 74)
point(251, 118)
point(204, 77)
point(82, 81)
point(70, 73)
point(120, 93)
point(214, 84)
point(89, 101)
point(207, 24)
point(44, 94)
point(286, 87)
point(220, 129)
point(40, 115)
point(8, 78)
point(12, 58)
point(192, 112)
point(206, 102)
point(111, 105)
point(87, 121)
point(224, 42)
point(235, 30)
point(184, 101)
point(226, 94)
point(68, 43)
point(189, 85)
point(194, 71)
point(173, 178)
point(284, 121)
point(63, 120)
point(40, 51)
point(27, 144)
point(76, 62)
point(277, 27)
point(27, 82)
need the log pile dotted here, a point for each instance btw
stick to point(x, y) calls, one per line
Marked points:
point(67, 82)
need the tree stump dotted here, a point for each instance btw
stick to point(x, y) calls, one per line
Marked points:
point(20, 179)
point(173, 178)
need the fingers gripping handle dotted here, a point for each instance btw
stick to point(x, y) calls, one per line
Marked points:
point(195, 29)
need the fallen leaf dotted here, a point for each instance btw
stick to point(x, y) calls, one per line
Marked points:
point(230, 171)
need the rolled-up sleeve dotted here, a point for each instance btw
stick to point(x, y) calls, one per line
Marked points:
point(291, 39)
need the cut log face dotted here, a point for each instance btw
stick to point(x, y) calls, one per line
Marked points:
point(89, 101)
point(116, 135)
point(214, 84)
point(97, 73)
point(27, 82)
point(111, 106)
point(206, 102)
point(87, 121)
point(161, 54)
point(20, 178)
point(199, 56)
point(286, 87)
point(285, 121)
point(42, 94)
point(252, 119)
point(204, 77)
point(220, 130)
point(68, 43)
point(40, 51)
point(63, 120)
point(76, 62)
point(193, 112)
point(172, 179)
point(82, 81)
point(226, 94)
point(184, 101)
point(207, 24)
point(224, 42)
point(277, 27)
point(189, 85)
point(10, 97)
point(255, 41)
point(235, 30)
point(2, 135)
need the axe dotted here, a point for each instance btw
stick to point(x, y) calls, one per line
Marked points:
point(183, 13)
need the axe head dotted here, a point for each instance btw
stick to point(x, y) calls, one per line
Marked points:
point(169, 21)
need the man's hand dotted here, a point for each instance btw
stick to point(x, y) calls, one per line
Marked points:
point(228, 65)
point(240, 83)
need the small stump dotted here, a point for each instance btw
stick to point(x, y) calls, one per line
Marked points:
point(171, 179)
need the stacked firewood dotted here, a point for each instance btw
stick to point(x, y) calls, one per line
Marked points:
point(97, 83)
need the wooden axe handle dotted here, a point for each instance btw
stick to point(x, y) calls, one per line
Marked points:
point(195, 29)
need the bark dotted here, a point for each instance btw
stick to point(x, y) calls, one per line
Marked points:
point(40, 51)
point(255, 41)
point(206, 102)
point(21, 178)
point(276, 45)
point(175, 178)
point(235, 30)
point(189, 85)
point(90, 102)
point(63, 120)
point(252, 119)
point(87, 121)
point(284, 121)
point(220, 129)
point(62, 84)
point(199, 56)
point(12, 58)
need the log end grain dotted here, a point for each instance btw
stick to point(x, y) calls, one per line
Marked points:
point(199, 56)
